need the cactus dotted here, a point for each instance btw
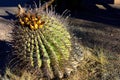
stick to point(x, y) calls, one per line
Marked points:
point(41, 42)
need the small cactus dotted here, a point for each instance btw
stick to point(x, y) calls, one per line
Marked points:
point(41, 42)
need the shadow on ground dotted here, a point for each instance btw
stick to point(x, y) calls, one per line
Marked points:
point(9, 16)
point(11, 3)
point(109, 15)
point(5, 49)
point(87, 10)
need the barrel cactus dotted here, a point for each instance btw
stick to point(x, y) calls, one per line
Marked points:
point(42, 43)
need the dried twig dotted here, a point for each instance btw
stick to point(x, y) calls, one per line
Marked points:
point(20, 10)
point(46, 5)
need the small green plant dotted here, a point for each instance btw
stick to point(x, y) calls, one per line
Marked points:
point(41, 43)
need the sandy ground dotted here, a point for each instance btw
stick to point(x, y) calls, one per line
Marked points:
point(93, 34)
point(5, 31)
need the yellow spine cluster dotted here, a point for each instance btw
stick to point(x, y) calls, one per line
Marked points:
point(30, 20)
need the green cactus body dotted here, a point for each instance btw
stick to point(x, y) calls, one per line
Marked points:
point(47, 49)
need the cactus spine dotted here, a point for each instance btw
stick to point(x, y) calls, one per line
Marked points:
point(41, 41)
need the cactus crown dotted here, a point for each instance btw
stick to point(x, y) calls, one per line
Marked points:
point(31, 19)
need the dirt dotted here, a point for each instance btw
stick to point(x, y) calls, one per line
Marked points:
point(97, 34)
point(102, 31)
point(5, 30)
